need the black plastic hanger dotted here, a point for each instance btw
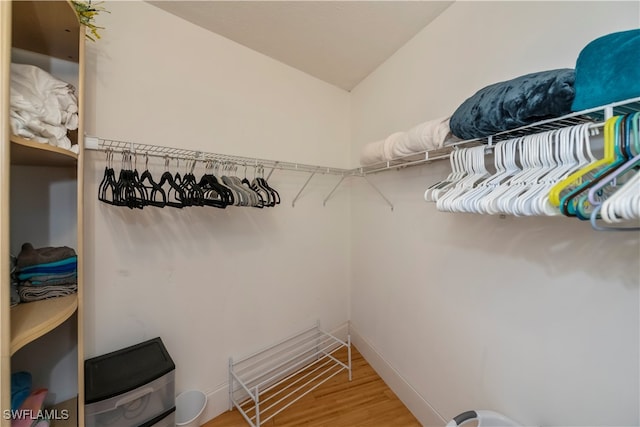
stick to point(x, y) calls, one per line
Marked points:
point(259, 201)
point(128, 190)
point(261, 186)
point(215, 195)
point(193, 193)
point(108, 184)
point(153, 189)
point(172, 189)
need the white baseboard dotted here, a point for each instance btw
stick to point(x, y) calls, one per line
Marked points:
point(419, 407)
point(217, 403)
point(218, 399)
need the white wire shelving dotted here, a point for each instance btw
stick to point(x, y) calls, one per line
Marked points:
point(267, 382)
point(593, 115)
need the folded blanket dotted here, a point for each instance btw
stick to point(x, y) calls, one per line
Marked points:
point(42, 107)
point(42, 279)
point(51, 282)
point(61, 272)
point(30, 256)
point(27, 126)
point(36, 293)
point(395, 140)
point(372, 153)
point(55, 266)
point(426, 136)
point(514, 103)
point(608, 70)
point(38, 92)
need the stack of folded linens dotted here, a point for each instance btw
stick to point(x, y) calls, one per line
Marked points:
point(47, 272)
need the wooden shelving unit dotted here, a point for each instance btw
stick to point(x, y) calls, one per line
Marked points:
point(49, 28)
point(32, 320)
point(30, 153)
point(69, 407)
point(46, 27)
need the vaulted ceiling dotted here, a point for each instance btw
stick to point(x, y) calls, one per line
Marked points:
point(340, 42)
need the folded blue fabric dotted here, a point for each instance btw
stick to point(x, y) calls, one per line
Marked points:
point(51, 278)
point(514, 103)
point(50, 271)
point(608, 70)
point(20, 388)
point(54, 264)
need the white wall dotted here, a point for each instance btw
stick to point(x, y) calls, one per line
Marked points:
point(212, 283)
point(537, 318)
point(157, 79)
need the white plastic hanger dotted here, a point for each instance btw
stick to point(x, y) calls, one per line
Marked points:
point(457, 173)
point(473, 163)
point(624, 204)
point(504, 162)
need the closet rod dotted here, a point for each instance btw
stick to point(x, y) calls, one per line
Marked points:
point(100, 144)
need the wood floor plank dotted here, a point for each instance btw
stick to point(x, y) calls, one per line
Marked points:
point(363, 402)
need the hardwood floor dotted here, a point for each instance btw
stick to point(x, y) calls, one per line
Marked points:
point(365, 401)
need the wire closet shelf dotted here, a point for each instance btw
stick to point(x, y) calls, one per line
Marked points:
point(267, 382)
point(594, 115)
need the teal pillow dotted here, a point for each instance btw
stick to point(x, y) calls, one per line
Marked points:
point(608, 70)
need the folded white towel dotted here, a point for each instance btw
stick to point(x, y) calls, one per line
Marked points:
point(42, 108)
point(18, 128)
point(426, 136)
point(33, 129)
point(394, 140)
point(36, 91)
point(372, 153)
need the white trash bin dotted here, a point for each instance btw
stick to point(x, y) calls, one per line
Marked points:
point(189, 408)
point(483, 418)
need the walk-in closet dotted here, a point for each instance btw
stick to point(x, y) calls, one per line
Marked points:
point(250, 205)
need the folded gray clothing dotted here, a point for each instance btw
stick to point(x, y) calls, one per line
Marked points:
point(15, 297)
point(36, 293)
point(47, 277)
point(51, 282)
point(30, 256)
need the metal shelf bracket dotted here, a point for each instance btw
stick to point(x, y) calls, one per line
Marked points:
point(379, 192)
point(293, 203)
point(324, 203)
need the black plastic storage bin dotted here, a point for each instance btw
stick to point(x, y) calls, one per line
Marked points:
point(130, 387)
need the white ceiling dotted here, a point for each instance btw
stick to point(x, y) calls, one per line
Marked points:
point(340, 42)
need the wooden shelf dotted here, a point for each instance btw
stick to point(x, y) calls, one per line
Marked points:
point(32, 320)
point(48, 31)
point(71, 408)
point(31, 153)
point(47, 27)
